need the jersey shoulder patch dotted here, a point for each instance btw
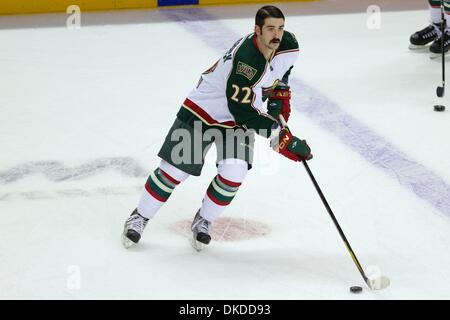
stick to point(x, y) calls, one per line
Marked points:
point(244, 69)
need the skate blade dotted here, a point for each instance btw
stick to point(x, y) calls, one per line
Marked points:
point(434, 56)
point(414, 47)
point(197, 245)
point(379, 283)
point(127, 243)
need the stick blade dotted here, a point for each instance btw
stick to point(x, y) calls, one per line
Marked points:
point(379, 283)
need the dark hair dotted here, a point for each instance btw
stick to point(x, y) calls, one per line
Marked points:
point(267, 12)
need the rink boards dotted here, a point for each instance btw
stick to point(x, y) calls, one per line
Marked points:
point(45, 6)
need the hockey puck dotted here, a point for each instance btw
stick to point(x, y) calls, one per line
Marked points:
point(355, 289)
point(439, 108)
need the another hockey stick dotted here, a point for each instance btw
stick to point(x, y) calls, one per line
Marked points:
point(440, 91)
point(377, 283)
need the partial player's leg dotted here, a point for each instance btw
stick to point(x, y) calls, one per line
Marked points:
point(158, 188)
point(436, 46)
point(430, 33)
point(182, 156)
point(234, 159)
point(220, 193)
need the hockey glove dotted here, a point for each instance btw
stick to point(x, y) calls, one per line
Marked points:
point(291, 147)
point(279, 102)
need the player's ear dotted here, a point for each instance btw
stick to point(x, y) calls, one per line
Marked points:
point(257, 30)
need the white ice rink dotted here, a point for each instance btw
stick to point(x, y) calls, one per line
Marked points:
point(84, 112)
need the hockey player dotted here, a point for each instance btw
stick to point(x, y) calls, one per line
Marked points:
point(244, 92)
point(432, 34)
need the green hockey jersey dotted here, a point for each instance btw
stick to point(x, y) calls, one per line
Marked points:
point(232, 93)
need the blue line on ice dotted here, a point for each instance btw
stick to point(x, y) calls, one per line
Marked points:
point(328, 115)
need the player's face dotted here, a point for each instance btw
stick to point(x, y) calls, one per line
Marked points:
point(271, 32)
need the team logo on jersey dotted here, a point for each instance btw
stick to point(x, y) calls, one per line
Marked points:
point(245, 70)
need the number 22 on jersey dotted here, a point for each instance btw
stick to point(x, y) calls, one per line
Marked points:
point(247, 92)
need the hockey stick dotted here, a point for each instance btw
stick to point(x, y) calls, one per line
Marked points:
point(378, 283)
point(440, 91)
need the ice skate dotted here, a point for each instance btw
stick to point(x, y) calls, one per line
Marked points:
point(422, 38)
point(133, 229)
point(436, 47)
point(200, 232)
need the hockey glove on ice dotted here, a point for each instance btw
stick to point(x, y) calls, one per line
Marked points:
point(279, 102)
point(291, 147)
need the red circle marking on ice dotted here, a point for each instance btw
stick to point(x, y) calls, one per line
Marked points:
point(227, 229)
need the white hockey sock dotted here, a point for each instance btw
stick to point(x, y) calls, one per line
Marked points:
point(435, 14)
point(223, 188)
point(158, 188)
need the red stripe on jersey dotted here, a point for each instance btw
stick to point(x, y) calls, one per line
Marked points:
point(165, 174)
point(202, 113)
point(228, 182)
point(255, 43)
point(154, 194)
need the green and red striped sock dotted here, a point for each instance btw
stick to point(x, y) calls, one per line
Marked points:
point(160, 185)
point(222, 191)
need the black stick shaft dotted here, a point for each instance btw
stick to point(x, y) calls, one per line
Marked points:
point(330, 212)
point(442, 42)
